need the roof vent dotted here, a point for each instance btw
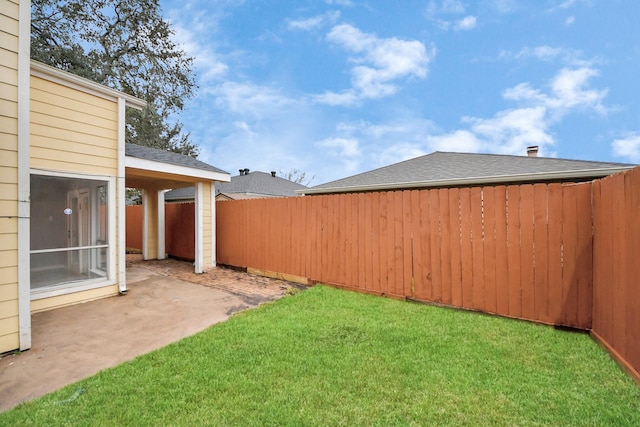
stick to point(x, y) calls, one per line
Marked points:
point(246, 171)
point(241, 171)
point(273, 174)
point(532, 151)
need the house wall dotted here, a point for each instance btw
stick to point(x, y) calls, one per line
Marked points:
point(74, 132)
point(9, 30)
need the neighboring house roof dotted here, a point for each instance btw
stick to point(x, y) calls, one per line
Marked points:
point(246, 185)
point(444, 169)
point(259, 184)
point(156, 155)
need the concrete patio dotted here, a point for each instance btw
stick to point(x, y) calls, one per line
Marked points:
point(166, 302)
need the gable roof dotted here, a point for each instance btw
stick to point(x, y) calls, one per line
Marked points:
point(162, 156)
point(445, 169)
point(249, 185)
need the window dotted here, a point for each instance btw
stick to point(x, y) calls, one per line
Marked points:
point(69, 231)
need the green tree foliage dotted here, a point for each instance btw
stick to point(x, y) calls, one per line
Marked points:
point(125, 45)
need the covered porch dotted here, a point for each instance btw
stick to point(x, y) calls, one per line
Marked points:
point(155, 172)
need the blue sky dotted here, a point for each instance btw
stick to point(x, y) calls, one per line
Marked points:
point(337, 87)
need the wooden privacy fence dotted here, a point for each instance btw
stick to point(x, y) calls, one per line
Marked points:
point(521, 251)
point(179, 229)
point(134, 227)
point(180, 235)
point(616, 269)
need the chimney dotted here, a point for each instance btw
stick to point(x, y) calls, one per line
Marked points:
point(273, 174)
point(246, 171)
point(241, 171)
point(532, 151)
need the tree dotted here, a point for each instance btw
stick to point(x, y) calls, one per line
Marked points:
point(297, 176)
point(125, 45)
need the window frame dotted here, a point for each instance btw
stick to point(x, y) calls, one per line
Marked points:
point(89, 284)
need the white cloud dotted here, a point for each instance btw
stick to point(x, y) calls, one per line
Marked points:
point(344, 150)
point(435, 10)
point(504, 6)
point(465, 24)
point(507, 132)
point(566, 4)
point(396, 139)
point(314, 22)
point(510, 131)
point(247, 98)
point(346, 98)
point(462, 141)
point(570, 20)
point(208, 63)
point(543, 53)
point(399, 152)
point(379, 64)
point(628, 147)
point(445, 6)
point(569, 90)
point(347, 3)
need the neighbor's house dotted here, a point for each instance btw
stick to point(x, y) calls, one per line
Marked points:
point(444, 169)
point(63, 172)
point(245, 185)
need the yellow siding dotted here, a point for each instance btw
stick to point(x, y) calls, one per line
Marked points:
point(9, 125)
point(9, 277)
point(8, 241)
point(9, 8)
point(71, 130)
point(206, 225)
point(74, 298)
point(8, 292)
point(9, 208)
point(152, 225)
point(8, 258)
point(9, 24)
point(9, 324)
point(8, 75)
point(8, 41)
point(10, 341)
point(9, 327)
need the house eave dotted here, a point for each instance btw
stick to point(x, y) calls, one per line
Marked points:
point(197, 174)
point(472, 181)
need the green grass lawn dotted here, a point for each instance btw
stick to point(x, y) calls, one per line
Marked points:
point(330, 357)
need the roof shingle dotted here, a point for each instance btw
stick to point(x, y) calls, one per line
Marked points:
point(445, 168)
point(176, 159)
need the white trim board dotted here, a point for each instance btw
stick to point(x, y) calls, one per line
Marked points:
point(167, 168)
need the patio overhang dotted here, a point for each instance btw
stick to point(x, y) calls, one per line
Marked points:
point(156, 171)
point(141, 173)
